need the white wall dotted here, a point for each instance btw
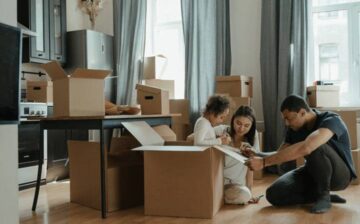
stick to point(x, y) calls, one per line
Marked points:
point(78, 20)
point(245, 22)
point(9, 208)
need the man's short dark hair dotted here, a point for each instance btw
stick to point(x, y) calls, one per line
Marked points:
point(294, 103)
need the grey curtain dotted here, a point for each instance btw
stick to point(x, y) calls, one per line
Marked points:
point(283, 60)
point(207, 48)
point(129, 41)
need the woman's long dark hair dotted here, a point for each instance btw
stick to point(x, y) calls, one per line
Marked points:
point(245, 111)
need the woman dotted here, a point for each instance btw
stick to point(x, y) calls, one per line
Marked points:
point(238, 178)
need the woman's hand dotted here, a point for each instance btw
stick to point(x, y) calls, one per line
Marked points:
point(246, 150)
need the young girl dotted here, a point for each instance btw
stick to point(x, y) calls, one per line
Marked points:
point(238, 178)
point(207, 130)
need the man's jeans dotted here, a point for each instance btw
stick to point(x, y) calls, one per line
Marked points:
point(324, 171)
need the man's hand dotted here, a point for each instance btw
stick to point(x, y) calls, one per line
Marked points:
point(255, 163)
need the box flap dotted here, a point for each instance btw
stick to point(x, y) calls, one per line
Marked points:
point(90, 73)
point(149, 89)
point(165, 132)
point(172, 148)
point(232, 78)
point(144, 133)
point(54, 70)
point(232, 152)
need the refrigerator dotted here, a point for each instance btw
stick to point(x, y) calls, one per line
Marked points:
point(90, 49)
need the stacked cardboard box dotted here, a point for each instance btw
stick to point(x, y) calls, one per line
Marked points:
point(238, 88)
point(323, 96)
point(152, 100)
point(180, 124)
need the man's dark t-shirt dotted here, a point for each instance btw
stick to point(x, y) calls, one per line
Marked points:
point(340, 140)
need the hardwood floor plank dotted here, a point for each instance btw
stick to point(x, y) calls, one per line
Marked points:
point(54, 207)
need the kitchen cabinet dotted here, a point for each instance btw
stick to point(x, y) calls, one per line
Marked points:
point(47, 18)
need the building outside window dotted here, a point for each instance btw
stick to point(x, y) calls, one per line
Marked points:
point(164, 36)
point(334, 46)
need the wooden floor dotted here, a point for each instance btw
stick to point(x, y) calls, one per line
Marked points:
point(54, 207)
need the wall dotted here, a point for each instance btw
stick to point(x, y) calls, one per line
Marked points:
point(78, 20)
point(9, 208)
point(245, 22)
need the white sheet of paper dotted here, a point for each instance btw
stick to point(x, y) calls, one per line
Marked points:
point(231, 151)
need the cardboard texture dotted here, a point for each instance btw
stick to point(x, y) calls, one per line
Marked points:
point(356, 161)
point(124, 179)
point(152, 100)
point(350, 118)
point(235, 85)
point(258, 175)
point(180, 106)
point(81, 94)
point(235, 103)
point(168, 85)
point(323, 96)
point(39, 91)
point(181, 130)
point(165, 132)
point(154, 66)
point(180, 180)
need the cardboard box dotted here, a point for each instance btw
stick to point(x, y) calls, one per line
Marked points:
point(154, 66)
point(235, 85)
point(81, 94)
point(235, 103)
point(180, 106)
point(168, 85)
point(165, 132)
point(356, 161)
point(350, 118)
point(180, 181)
point(323, 96)
point(39, 91)
point(258, 175)
point(152, 100)
point(124, 180)
point(181, 130)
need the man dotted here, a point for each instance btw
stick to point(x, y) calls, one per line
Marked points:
point(323, 139)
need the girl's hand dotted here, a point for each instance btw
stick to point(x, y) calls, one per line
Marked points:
point(225, 139)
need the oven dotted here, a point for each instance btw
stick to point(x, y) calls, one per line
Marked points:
point(29, 144)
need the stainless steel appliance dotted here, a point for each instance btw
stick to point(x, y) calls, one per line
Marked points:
point(29, 143)
point(91, 50)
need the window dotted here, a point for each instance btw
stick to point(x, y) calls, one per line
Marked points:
point(164, 36)
point(334, 46)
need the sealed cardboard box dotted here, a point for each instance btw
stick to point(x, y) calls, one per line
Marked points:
point(168, 85)
point(234, 85)
point(152, 100)
point(323, 96)
point(154, 66)
point(356, 161)
point(180, 106)
point(180, 181)
point(124, 178)
point(39, 91)
point(235, 103)
point(81, 94)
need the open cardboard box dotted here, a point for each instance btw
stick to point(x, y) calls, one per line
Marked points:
point(180, 180)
